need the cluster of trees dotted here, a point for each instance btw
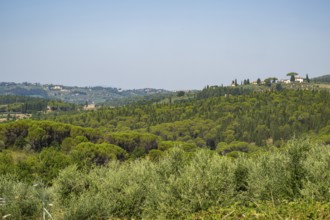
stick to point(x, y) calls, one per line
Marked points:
point(137, 100)
point(245, 82)
point(55, 105)
point(40, 149)
point(22, 104)
point(213, 91)
point(26, 104)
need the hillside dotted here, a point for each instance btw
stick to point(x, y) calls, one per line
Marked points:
point(21, 107)
point(321, 79)
point(78, 95)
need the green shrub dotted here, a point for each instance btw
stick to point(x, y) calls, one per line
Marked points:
point(316, 183)
point(20, 200)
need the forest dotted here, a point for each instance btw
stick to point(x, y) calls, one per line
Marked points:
point(220, 153)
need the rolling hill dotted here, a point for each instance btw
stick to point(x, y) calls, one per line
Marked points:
point(77, 95)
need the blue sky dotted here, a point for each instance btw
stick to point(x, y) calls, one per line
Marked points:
point(182, 44)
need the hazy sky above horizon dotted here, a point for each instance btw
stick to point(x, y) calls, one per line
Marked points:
point(170, 44)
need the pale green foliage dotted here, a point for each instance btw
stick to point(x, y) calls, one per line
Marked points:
point(69, 183)
point(207, 180)
point(299, 209)
point(178, 185)
point(181, 183)
point(268, 177)
point(2, 145)
point(317, 166)
point(18, 199)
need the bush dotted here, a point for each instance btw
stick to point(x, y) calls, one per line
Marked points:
point(316, 183)
point(20, 200)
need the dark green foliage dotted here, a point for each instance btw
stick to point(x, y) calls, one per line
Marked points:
point(26, 104)
point(55, 105)
point(133, 141)
point(35, 135)
point(292, 74)
point(212, 91)
point(180, 93)
point(279, 87)
point(241, 174)
point(258, 81)
point(260, 117)
point(22, 104)
point(224, 148)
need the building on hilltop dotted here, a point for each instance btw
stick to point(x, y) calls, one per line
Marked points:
point(298, 79)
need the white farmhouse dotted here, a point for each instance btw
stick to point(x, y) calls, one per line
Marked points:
point(298, 79)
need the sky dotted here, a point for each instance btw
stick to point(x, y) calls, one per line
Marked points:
point(168, 44)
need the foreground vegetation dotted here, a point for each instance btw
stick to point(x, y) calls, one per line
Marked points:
point(290, 182)
point(225, 152)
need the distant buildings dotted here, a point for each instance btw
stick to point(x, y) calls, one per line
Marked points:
point(90, 107)
point(297, 78)
point(287, 81)
point(56, 88)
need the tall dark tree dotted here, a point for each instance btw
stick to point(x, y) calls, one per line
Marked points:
point(258, 81)
point(292, 78)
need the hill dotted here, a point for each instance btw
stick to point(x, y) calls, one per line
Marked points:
point(322, 79)
point(78, 95)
